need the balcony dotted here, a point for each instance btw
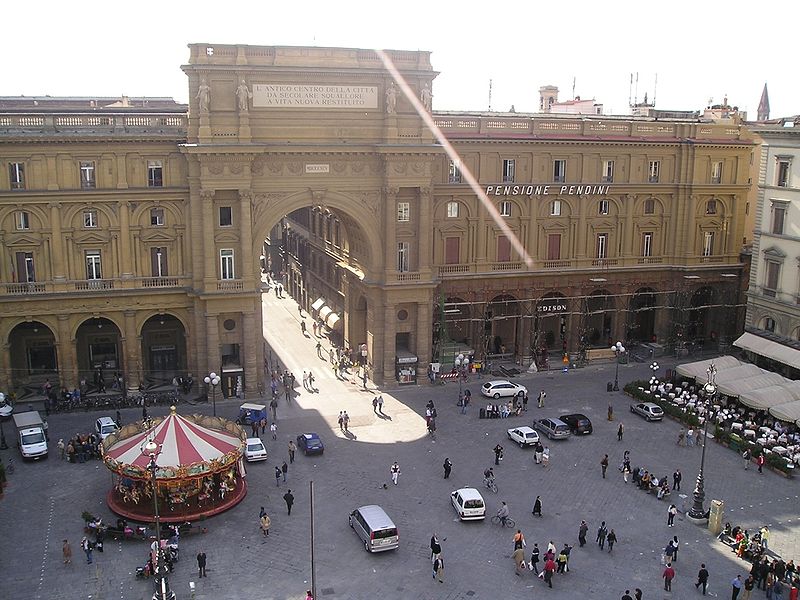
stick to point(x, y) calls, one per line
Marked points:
point(557, 264)
point(605, 262)
point(159, 282)
point(25, 289)
point(94, 285)
point(506, 266)
point(650, 260)
point(446, 270)
point(230, 285)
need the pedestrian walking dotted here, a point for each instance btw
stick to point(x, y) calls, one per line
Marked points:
point(736, 587)
point(305, 379)
point(519, 540)
point(292, 450)
point(265, 522)
point(620, 432)
point(278, 475)
point(671, 512)
point(537, 507)
point(611, 538)
point(311, 387)
point(498, 454)
point(750, 583)
point(380, 404)
point(746, 456)
point(540, 399)
point(303, 327)
point(760, 462)
point(524, 401)
point(702, 578)
point(465, 401)
point(284, 470)
point(610, 412)
point(438, 568)
point(375, 404)
point(546, 457)
point(274, 430)
point(604, 465)
point(436, 546)
point(66, 552)
point(669, 552)
point(447, 467)
point(676, 480)
point(690, 437)
point(681, 435)
point(764, 537)
point(346, 421)
point(144, 411)
point(519, 561)
point(395, 470)
point(549, 569)
point(263, 424)
point(561, 562)
point(288, 497)
point(309, 595)
point(582, 530)
point(273, 404)
point(668, 575)
point(676, 545)
point(341, 421)
point(314, 329)
point(535, 558)
point(201, 564)
point(86, 546)
point(601, 535)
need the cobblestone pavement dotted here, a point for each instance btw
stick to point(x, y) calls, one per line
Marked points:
point(43, 501)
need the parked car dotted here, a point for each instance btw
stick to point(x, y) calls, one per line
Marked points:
point(105, 426)
point(309, 443)
point(524, 436)
point(255, 450)
point(648, 410)
point(502, 387)
point(579, 424)
point(555, 429)
point(469, 504)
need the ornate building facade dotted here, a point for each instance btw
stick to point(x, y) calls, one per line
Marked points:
point(133, 232)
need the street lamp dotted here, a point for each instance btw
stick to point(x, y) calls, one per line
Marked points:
point(212, 379)
point(459, 361)
point(617, 349)
point(654, 366)
point(162, 591)
point(710, 391)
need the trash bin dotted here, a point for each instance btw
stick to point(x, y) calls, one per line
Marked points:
point(609, 387)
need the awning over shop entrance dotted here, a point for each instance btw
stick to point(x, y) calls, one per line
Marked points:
point(318, 303)
point(332, 320)
point(324, 312)
point(769, 349)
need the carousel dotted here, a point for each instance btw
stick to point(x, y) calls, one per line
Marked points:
point(200, 471)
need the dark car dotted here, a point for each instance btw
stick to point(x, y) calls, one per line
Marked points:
point(579, 424)
point(309, 443)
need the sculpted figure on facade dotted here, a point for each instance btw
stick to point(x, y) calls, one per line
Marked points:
point(243, 94)
point(203, 96)
point(426, 97)
point(391, 98)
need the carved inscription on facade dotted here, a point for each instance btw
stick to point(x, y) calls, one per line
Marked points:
point(268, 95)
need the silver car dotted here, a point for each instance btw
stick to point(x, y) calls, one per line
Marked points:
point(555, 429)
point(648, 410)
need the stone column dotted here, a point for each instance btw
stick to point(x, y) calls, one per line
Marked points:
point(59, 267)
point(424, 229)
point(583, 206)
point(389, 215)
point(132, 348)
point(628, 229)
point(251, 345)
point(67, 353)
point(52, 172)
point(122, 172)
point(209, 246)
point(246, 237)
point(389, 330)
point(5, 367)
point(690, 239)
point(213, 358)
point(126, 271)
point(424, 331)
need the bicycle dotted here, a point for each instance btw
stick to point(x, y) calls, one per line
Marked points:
point(490, 484)
point(496, 520)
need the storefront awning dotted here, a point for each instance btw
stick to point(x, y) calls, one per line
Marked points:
point(324, 312)
point(319, 303)
point(697, 370)
point(332, 320)
point(769, 349)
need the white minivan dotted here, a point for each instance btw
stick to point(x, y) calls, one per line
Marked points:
point(375, 528)
point(469, 504)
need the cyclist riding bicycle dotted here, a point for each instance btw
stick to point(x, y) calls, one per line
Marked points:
point(502, 512)
point(488, 477)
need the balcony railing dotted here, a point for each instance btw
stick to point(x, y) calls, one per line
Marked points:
point(650, 260)
point(94, 285)
point(445, 270)
point(230, 285)
point(24, 289)
point(506, 266)
point(557, 264)
point(152, 282)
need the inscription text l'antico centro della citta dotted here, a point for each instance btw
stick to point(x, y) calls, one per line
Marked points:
point(284, 95)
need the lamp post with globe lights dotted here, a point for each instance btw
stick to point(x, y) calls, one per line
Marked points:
point(697, 511)
point(213, 380)
point(618, 349)
point(654, 366)
point(162, 592)
point(460, 362)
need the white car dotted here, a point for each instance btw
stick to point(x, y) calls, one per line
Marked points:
point(105, 426)
point(255, 450)
point(5, 407)
point(469, 504)
point(524, 436)
point(502, 387)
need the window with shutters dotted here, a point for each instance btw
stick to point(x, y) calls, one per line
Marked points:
point(155, 173)
point(778, 217)
point(403, 212)
point(225, 216)
point(649, 206)
point(602, 245)
point(554, 246)
point(16, 175)
point(454, 175)
point(157, 217)
point(602, 207)
point(509, 170)
point(608, 171)
point(452, 250)
point(22, 220)
point(647, 244)
point(559, 171)
point(503, 249)
point(90, 219)
point(555, 208)
point(88, 181)
point(708, 243)
point(226, 264)
point(716, 172)
point(25, 272)
point(505, 208)
point(158, 262)
point(93, 265)
point(402, 256)
point(781, 175)
point(772, 278)
point(452, 210)
point(653, 171)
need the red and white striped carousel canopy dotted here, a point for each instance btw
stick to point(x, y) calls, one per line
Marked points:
point(182, 443)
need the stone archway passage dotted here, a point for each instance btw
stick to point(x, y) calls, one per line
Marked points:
point(100, 362)
point(33, 360)
point(163, 351)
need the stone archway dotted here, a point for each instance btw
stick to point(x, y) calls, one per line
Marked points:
point(600, 319)
point(33, 359)
point(98, 342)
point(163, 350)
point(642, 315)
point(699, 315)
point(502, 325)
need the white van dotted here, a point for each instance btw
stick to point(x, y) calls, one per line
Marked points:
point(469, 504)
point(375, 528)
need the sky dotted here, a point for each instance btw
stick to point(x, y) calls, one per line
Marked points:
point(699, 50)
